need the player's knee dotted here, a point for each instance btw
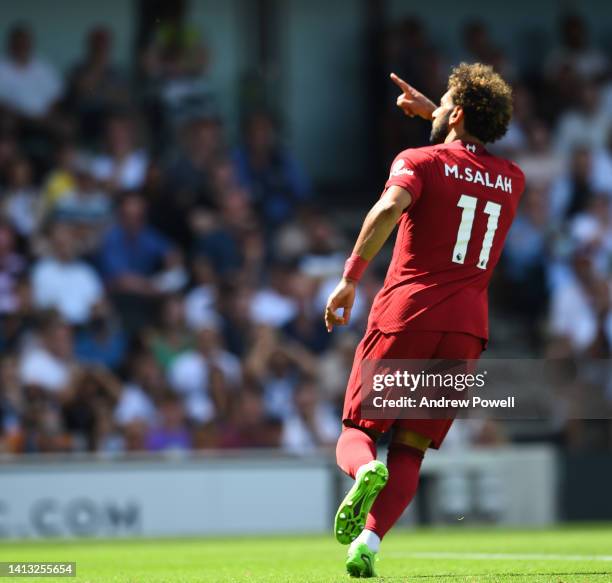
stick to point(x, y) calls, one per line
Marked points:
point(410, 439)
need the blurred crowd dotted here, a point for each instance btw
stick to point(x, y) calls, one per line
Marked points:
point(162, 287)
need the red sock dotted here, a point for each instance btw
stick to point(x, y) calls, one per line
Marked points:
point(355, 448)
point(404, 464)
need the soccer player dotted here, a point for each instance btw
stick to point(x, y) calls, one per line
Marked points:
point(453, 203)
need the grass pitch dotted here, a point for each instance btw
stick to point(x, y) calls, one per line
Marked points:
point(571, 554)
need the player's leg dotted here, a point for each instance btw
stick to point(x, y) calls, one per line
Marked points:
point(376, 345)
point(356, 449)
point(411, 439)
point(356, 455)
point(404, 459)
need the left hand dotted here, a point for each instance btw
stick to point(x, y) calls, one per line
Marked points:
point(342, 297)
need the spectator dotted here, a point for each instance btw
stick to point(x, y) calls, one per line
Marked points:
point(145, 387)
point(537, 160)
point(44, 430)
point(170, 432)
point(138, 263)
point(49, 362)
point(86, 207)
point(102, 341)
point(249, 425)
point(572, 191)
point(63, 282)
point(274, 178)
point(305, 328)
point(216, 243)
point(206, 376)
point(201, 300)
point(123, 166)
point(581, 315)
point(175, 64)
point(275, 305)
point(234, 303)
point(277, 366)
point(28, 85)
point(170, 338)
point(161, 198)
point(312, 425)
point(525, 261)
point(61, 180)
point(593, 228)
point(21, 204)
point(132, 251)
point(189, 173)
point(477, 42)
point(585, 126)
point(134, 436)
point(91, 388)
point(323, 255)
point(575, 51)
point(96, 87)
point(229, 236)
point(480, 47)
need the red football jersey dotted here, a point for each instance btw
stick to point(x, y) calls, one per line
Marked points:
point(450, 238)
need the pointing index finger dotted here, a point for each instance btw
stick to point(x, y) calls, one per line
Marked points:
point(400, 83)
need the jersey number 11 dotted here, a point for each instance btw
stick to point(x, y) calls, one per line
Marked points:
point(468, 204)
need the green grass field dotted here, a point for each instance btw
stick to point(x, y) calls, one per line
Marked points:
point(451, 555)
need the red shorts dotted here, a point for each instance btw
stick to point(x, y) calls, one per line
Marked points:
point(406, 344)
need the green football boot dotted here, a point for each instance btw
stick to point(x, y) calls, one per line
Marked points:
point(351, 516)
point(360, 561)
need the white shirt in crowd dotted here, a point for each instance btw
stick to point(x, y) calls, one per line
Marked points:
point(270, 308)
point(297, 437)
point(573, 316)
point(21, 208)
point(577, 129)
point(30, 89)
point(72, 288)
point(200, 307)
point(189, 376)
point(134, 405)
point(39, 367)
point(131, 173)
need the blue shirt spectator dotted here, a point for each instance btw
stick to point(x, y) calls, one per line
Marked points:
point(131, 248)
point(274, 178)
point(100, 343)
point(125, 253)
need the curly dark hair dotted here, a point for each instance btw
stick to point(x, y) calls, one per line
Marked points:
point(486, 100)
